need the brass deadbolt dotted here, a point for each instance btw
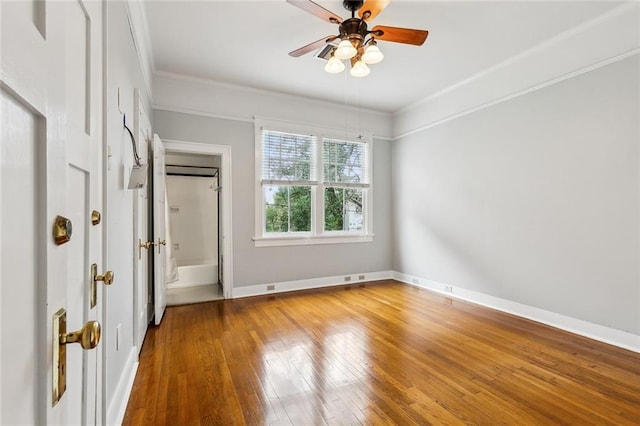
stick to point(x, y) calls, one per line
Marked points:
point(96, 217)
point(88, 336)
point(62, 230)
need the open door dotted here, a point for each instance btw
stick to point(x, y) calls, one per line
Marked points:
point(159, 229)
point(142, 243)
point(50, 224)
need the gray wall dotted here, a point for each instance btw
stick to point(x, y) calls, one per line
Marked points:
point(535, 200)
point(251, 265)
point(123, 74)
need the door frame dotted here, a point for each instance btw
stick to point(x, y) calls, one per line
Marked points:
point(224, 206)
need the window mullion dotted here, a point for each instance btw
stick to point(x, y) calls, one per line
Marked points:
point(318, 205)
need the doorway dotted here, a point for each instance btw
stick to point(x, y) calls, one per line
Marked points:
point(199, 222)
point(192, 246)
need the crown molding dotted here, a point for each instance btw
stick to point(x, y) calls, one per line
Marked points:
point(612, 36)
point(181, 93)
point(140, 33)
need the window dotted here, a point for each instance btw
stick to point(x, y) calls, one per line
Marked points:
point(312, 186)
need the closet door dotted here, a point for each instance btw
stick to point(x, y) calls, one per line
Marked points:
point(159, 229)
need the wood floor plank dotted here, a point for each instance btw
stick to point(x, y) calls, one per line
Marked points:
point(375, 353)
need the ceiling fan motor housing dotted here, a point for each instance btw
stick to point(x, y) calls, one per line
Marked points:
point(352, 5)
point(353, 29)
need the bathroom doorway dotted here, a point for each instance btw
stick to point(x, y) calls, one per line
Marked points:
point(196, 223)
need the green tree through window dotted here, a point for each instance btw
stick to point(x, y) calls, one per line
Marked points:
point(306, 177)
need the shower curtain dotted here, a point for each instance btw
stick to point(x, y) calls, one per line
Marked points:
point(170, 258)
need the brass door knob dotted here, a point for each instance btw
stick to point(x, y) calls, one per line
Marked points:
point(88, 336)
point(106, 278)
point(146, 245)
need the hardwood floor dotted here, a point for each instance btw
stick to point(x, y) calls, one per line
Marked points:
point(382, 353)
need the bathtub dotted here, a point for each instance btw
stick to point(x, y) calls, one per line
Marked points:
point(195, 275)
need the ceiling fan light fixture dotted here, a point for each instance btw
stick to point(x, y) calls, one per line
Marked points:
point(345, 50)
point(360, 69)
point(372, 55)
point(334, 65)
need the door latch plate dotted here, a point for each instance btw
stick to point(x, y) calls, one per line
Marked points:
point(59, 356)
point(93, 290)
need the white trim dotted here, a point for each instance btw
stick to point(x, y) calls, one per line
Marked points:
point(140, 32)
point(212, 99)
point(226, 233)
point(523, 92)
point(593, 331)
point(281, 287)
point(286, 240)
point(118, 406)
point(200, 113)
point(317, 235)
point(602, 40)
point(263, 92)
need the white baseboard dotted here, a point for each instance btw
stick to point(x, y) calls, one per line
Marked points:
point(593, 331)
point(281, 287)
point(118, 405)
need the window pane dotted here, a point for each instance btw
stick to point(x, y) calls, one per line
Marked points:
point(343, 209)
point(343, 161)
point(276, 199)
point(287, 156)
point(300, 211)
point(287, 208)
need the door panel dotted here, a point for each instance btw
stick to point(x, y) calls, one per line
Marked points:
point(51, 165)
point(159, 228)
point(19, 290)
point(78, 282)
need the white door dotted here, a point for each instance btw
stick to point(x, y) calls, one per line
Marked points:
point(159, 229)
point(142, 131)
point(51, 152)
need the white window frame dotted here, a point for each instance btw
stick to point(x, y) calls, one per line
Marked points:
point(317, 235)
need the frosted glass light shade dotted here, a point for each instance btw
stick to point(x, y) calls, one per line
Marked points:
point(360, 69)
point(334, 66)
point(372, 55)
point(345, 50)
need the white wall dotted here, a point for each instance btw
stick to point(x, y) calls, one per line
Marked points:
point(193, 219)
point(123, 74)
point(263, 265)
point(535, 200)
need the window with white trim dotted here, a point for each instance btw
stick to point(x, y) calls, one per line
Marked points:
point(312, 185)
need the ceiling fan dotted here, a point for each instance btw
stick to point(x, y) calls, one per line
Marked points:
point(357, 42)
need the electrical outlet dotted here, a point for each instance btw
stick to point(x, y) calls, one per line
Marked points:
point(271, 287)
point(347, 278)
point(361, 277)
point(448, 288)
point(415, 281)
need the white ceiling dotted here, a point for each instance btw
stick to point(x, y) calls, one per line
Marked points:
point(246, 43)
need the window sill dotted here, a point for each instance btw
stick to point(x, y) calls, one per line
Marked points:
point(308, 240)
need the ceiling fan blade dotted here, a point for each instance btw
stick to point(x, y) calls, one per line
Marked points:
point(316, 9)
point(371, 8)
point(399, 35)
point(312, 46)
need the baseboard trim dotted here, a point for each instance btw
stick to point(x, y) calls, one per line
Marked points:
point(118, 405)
point(593, 331)
point(281, 287)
